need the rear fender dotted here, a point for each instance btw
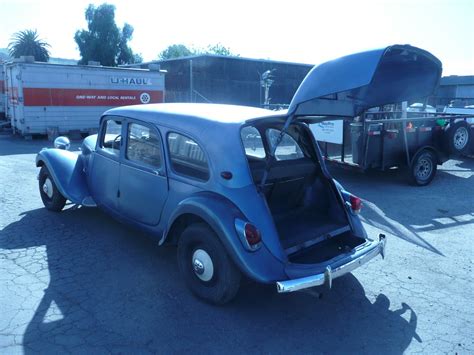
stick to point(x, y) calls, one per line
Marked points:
point(67, 170)
point(220, 214)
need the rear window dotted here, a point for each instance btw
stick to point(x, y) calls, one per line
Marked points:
point(288, 149)
point(187, 157)
point(252, 142)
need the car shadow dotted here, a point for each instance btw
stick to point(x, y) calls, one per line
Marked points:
point(112, 289)
point(391, 204)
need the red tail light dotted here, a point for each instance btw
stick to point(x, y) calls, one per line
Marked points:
point(252, 234)
point(356, 203)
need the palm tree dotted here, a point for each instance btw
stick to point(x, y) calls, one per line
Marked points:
point(27, 43)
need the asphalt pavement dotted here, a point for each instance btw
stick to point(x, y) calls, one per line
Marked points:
point(79, 281)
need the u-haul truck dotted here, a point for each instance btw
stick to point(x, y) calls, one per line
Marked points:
point(44, 98)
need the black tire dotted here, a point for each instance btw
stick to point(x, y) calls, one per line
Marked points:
point(54, 201)
point(458, 138)
point(224, 283)
point(423, 167)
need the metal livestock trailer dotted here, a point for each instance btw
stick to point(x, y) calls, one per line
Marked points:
point(53, 99)
point(417, 141)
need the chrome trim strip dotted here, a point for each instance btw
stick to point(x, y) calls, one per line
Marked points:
point(330, 273)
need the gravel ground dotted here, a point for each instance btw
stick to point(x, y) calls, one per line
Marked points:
point(79, 281)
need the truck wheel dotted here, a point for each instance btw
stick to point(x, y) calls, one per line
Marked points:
point(423, 167)
point(52, 198)
point(458, 136)
point(205, 265)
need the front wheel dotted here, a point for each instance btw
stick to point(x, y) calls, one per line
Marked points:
point(205, 265)
point(423, 168)
point(52, 198)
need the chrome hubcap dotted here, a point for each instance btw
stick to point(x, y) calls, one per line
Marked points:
point(460, 138)
point(202, 265)
point(424, 168)
point(48, 188)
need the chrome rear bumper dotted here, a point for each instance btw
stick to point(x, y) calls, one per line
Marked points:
point(354, 261)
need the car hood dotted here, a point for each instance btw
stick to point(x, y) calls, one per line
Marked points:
point(347, 86)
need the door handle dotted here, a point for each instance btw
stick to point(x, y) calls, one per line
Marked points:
point(159, 173)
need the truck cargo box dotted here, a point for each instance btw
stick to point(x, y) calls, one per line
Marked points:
point(44, 98)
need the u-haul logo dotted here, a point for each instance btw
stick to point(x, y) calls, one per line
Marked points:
point(130, 81)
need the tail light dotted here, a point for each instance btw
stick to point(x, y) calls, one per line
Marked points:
point(356, 203)
point(252, 234)
point(249, 235)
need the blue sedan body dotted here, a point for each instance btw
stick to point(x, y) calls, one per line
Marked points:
point(163, 198)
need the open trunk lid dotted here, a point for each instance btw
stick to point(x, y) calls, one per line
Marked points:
point(347, 86)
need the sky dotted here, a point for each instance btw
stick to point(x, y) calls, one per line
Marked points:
point(293, 30)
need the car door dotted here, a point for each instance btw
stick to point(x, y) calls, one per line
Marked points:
point(104, 173)
point(143, 183)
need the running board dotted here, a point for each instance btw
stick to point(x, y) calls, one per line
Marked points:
point(310, 242)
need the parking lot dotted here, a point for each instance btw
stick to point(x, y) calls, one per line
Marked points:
point(78, 281)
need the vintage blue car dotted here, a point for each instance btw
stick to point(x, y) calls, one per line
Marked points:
point(239, 190)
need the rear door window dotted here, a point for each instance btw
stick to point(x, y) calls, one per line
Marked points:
point(288, 149)
point(143, 145)
point(187, 157)
point(252, 142)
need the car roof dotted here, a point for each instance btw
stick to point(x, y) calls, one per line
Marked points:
point(195, 113)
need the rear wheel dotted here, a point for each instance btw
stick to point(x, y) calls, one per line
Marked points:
point(458, 136)
point(423, 168)
point(52, 198)
point(205, 265)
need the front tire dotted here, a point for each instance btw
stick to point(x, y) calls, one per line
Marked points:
point(205, 265)
point(423, 167)
point(50, 195)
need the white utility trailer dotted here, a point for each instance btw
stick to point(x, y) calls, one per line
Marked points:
point(45, 98)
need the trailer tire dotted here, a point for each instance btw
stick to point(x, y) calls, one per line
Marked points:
point(458, 138)
point(423, 167)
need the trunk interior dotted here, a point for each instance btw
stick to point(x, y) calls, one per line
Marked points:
point(308, 215)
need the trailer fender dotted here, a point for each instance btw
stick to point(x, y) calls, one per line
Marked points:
point(67, 170)
point(439, 156)
point(431, 149)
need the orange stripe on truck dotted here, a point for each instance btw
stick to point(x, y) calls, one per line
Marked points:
point(89, 97)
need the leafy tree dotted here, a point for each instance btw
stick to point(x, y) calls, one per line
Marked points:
point(137, 58)
point(175, 51)
point(180, 50)
point(27, 42)
point(219, 49)
point(104, 41)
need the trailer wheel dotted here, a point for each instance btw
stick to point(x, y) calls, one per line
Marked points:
point(423, 167)
point(458, 136)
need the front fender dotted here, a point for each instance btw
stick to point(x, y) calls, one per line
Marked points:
point(220, 213)
point(67, 170)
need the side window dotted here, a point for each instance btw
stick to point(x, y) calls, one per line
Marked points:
point(288, 149)
point(252, 142)
point(143, 145)
point(187, 157)
point(111, 137)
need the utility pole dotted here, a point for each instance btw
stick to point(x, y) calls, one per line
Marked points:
point(266, 81)
point(191, 84)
